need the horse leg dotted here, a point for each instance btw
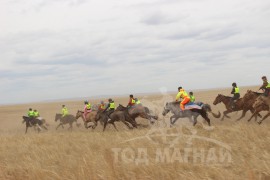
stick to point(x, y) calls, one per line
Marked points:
point(26, 129)
point(205, 116)
point(123, 121)
point(105, 124)
point(268, 114)
point(195, 120)
point(44, 127)
point(243, 115)
point(225, 114)
point(59, 126)
point(254, 114)
point(115, 126)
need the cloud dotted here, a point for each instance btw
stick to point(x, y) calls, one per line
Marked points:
point(65, 49)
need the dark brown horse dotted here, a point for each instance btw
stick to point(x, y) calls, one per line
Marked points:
point(116, 116)
point(33, 122)
point(262, 101)
point(137, 111)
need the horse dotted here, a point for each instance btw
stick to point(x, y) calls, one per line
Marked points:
point(116, 116)
point(174, 108)
point(249, 99)
point(239, 105)
point(262, 101)
point(29, 122)
point(137, 111)
point(68, 119)
point(90, 117)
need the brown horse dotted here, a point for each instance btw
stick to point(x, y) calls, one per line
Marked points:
point(249, 99)
point(262, 101)
point(90, 117)
point(137, 111)
point(239, 105)
point(68, 119)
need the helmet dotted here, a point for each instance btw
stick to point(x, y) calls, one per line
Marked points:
point(234, 84)
point(101, 102)
point(30, 109)
point(180, 88)
point(63, 105)
point(110, 100)
point(85, 102)
point(264, 77)
point(131, 96)
point(191, 93)
point(35, 110)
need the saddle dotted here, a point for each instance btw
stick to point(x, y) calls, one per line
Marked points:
point(192, 105)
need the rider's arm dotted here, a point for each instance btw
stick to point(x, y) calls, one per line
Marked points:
point(178, 96)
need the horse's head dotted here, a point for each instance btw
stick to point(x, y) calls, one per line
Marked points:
point(249, 95)
point(166, 109)
point(57, 117)
point(24, 119)
point(218, 99)
point(120, 108)
point(79, 114)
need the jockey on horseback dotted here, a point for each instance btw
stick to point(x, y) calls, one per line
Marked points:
point(192, 97)
point(111, 107)
point(101, 107)
point(31, 115)
point(137, 101)
point(182, 94)
point(36, 113)
point(236, 94)
point(131, 102)
point(87, 109)
point(265, 87)
point(64, 111)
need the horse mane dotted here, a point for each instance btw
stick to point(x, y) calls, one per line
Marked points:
point(257, 93)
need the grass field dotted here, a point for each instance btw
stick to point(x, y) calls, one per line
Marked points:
point(143, 153)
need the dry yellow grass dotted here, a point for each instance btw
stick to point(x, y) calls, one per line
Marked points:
point(88, 154)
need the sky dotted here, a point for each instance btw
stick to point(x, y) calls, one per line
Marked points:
point(62, 49)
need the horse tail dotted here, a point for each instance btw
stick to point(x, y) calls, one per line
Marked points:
point(208, 108)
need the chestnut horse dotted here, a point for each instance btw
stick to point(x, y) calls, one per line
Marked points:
point(249, 99)
point(239, 105)
point(262, 101)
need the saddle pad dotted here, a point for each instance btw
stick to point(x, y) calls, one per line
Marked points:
point(193, 106)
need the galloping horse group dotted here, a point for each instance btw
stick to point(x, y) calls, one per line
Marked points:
point(252, 101)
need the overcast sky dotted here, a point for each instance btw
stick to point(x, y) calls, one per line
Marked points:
point(55, 49)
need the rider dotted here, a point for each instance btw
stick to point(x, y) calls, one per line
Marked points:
point(64, 111)
point(184, 96)
point(131, 102)
point(111, 107)
point(266, 86)
point(87, 109)
point(192, 97)
point(137, 101)
point(101, 106)
point(31, 115)
point(36, 113)
point(236, 94)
